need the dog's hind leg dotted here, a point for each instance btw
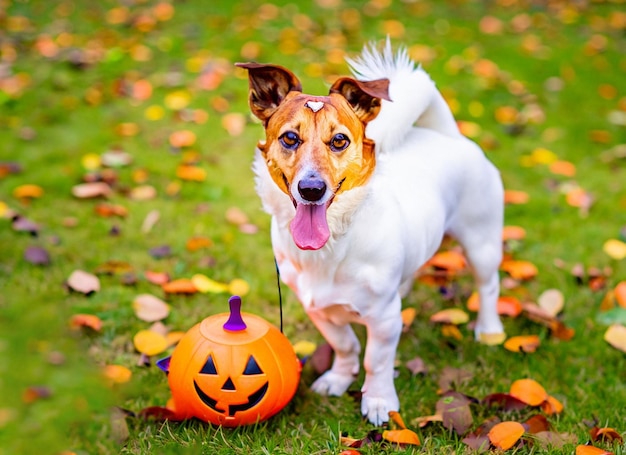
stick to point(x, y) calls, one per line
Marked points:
point(345, 365)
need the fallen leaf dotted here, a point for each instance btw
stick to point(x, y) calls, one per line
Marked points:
point(150, 308)
point(23, 224)
point(529, 391)
point(522, 343)
point(174, 337)
point(159, 252)
point(37, 255)
point(505, 401)
point(106, 210)
point(620, 293)
point(505, 435)
point(605, 434)
point(238, 287)
point(83, 282)
point(397, 419)
point(552, 301)
point(551, 440)
point(513, 233)
point(616, 336)
point(564, 168)
point(516, 197)
point(143, 193)
point(451, 260)
point(451, 331)
point(403, 436)
point(552, 406)
point(149, 342)
point(35, 393)
point(198, 242)
point(452, 378)
point(591, 450)
point(520, 270)
point(536, 424)
point(454, 407)
point(416, 366)
point(28, 191)
point(86, 320)
point(236, 216)
point(304, 348)
point(150, 220)
point(615, 249)
point(117, 374)
point(191, 173)
point(184, 138)
point(408, 316)
point(179, 286)
point(91, 190)
point(159, 278)
point(205, 284)
point(454, 316)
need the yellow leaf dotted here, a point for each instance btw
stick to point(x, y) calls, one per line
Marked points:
point(451, 331)
point(150, 343)
point(505, 435)
point(239, 287)
point(178, 100)
point(205, 284)
point(403, 436)
point(117, 373)
point(454, 316)
point(616, 249)
point(174, 337)
point(616, 336)
point(529, 391)
point(91, 161)
point(304, 348)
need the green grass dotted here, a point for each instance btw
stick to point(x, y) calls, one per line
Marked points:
point(66, 112)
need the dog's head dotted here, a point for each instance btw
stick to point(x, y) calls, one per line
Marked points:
point(315, 146)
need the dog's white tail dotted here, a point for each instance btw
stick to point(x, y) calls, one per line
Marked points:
point(415, 99)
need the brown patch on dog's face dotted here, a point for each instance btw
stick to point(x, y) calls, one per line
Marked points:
point(329, 143)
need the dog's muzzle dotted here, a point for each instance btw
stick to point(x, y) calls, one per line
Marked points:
point(312, 189)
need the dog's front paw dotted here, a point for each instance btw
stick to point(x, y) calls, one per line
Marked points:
point(331, 383)
point(377, 409)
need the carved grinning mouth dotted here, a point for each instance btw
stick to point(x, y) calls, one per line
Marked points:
point(253, 400)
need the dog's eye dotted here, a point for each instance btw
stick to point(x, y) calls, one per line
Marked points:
point(290, 140)
point(339, 142)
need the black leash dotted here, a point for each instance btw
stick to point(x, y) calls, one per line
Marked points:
point(280, 295)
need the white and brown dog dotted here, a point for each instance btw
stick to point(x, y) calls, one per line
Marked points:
point(362, 186)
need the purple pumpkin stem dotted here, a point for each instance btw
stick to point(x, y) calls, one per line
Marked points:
point(235, 321)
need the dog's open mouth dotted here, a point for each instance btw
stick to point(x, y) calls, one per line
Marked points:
point(309, 227)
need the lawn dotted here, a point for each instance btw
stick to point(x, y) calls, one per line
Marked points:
point(144, 95)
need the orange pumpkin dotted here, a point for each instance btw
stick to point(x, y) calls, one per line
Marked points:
point(233, 369)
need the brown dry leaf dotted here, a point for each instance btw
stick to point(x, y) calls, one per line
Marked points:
point(417, 366)
point(150, 308)
point(83, 282)
point(522, 343)
point(591, 450)
point(516, 197)
point(504, 401)
point(605, 434)
point(180, 286)
point(616, 336)
point(551, 440)
point(403, 436)
point(536, 424)
point(505, 435)
point(408, 316)
point(452, 378)
point(86, 320)
point(117, 374)
point(425, 420)
point(454, 316)
point(106, 210)
point(454, 408)
point(529, 391)
point(149, 342)
point(552, 406)
point(552, 301)
point(520, 270)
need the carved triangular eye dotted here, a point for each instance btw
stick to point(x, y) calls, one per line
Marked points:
point(209, 366)
point(252, 367)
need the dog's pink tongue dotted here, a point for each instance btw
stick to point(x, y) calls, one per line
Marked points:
point(309, 227)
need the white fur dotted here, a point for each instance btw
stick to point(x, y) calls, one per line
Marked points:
point(429, 180)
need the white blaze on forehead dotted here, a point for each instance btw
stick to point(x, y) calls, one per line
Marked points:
point(314, 105)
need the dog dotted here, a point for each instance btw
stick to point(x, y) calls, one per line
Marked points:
point(362, 186)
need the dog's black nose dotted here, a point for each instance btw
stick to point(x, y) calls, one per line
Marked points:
point(311, 189)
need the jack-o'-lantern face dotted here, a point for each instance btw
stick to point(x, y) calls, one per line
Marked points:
point(232, 376)
point(236, 393)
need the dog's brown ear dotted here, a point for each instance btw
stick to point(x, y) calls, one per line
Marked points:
point(269, 85)
point(363, 96)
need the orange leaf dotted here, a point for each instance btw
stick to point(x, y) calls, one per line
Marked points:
point(606, 434)
point(473, 303)
point(552, 406)
point(564, 168)
point(401, 437)
point(174, 337)
point(529, 391)
point(448, 260)
point(591, 450)
point(519, 270)
point(450, 316)
point(523, 343)
point(86, 320)
point(190, 173)
point(183, 138)
point(620, 293)
point(509, 306)
point(28, 191)
point(397, 419)
point(513, 233)
point(117, 373)
point(578, 197)
point(451, 331)
point(516, 197)
point(159, 278)
point(505, 435)
point(408, 315)
point(198, 242)
point(180, 286)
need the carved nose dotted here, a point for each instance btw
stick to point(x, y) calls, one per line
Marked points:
point(311, 189)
